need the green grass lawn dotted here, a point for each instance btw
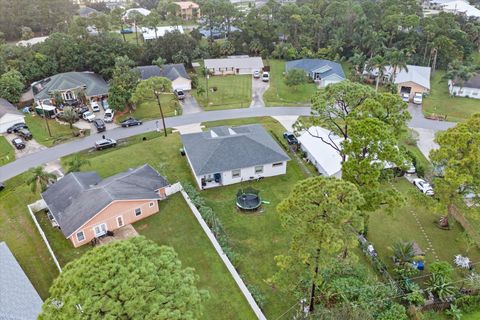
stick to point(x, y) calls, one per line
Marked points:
point(384, 230)
point(232, 91)
point(440, 102)
point(149, 110)
point(280, 94)
point(18, 230)
point(176, 226)
point(7, 154)
point(38, 127)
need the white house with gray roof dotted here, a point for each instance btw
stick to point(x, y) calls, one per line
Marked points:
point(234, 65)
point(228, 155)
point(18, 298)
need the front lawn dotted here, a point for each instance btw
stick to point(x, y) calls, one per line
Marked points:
point(225, 92)
point(149, 110)
point(59, 132)
point(279, 94)
point(7, 154)
point(440, 102)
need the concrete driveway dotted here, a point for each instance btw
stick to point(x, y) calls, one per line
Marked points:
point(83, 124)
point(190, 105)
point(258, 89)
point(31, 146)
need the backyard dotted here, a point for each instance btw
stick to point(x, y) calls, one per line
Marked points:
point(148, 110)
point(440, 102)
point(279, 94)
point(225, 92)
point(59, 132)
point(7, 154)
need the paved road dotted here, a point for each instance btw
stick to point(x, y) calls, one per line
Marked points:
point(41, 157)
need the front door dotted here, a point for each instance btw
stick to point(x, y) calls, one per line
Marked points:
point(120, 221)
point(100, 230)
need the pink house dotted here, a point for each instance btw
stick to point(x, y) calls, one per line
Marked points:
point(86, 207)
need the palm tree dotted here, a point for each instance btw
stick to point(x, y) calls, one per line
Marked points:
point(377, 63)
point(40, 178)
point(459, 73)
point(70, 116)
point(398, 62)
point(358, 61)
point(403, 252)
point(76, 163)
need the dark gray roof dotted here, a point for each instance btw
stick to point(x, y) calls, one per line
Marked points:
point(473, 82)
point(227, 148)
point(7, 107)
point(309, 65)
point(18, 298)
point(170, 71)
point(79, 196)
point(95, 85)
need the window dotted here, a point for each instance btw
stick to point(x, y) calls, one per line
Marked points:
point(278, 164)
point(80, 236)
point(138, 212)
point(150, 205)
point(236, 173)
point(258, 169)
point(120, 221)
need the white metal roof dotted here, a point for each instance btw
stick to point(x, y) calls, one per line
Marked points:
point(329, 159)
point(149, 33)
point(461, 7)
point(241, 62)
point(416, 74)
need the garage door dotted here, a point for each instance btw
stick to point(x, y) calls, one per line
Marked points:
point(9, 120)
point(182, 84)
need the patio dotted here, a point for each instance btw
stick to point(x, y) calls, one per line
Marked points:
point(125, 232)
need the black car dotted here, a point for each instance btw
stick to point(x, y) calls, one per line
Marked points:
point(105, 143)
point(130, 122)
point(99, 124)
point(81, 110)
point(18, 143)
point(180, 94)
point(16, 127)
point(25, 134)
point(290, 137)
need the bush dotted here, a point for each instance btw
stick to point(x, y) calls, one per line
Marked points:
point(468, 304)
point(257, 295)
point(420, 170)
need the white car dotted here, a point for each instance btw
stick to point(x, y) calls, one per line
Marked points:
point(95, 106)
point(89, 116)
point(423, 186)
point(265, 77)
point(418, 98)
point(410, 168)
point(405, 97)
point(256, 74)
point(108, 115)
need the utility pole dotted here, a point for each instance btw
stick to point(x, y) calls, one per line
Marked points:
point(46, 121)
point(206, 80)
point(157, 94)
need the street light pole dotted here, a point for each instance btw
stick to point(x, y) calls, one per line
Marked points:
point(157, 94)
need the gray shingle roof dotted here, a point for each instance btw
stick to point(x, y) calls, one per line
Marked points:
point(95, 85)
point(473, 82)
point(79, 196)
point(18, 298)
point(309, 65)
point(7, 107)
point(170, 71)
point(223, 148)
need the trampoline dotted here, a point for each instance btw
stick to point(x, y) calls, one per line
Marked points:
point(248, 199)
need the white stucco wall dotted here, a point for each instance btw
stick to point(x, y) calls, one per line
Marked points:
point(465, 92)
point(182, 84)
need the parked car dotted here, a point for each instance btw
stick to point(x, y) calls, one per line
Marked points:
point(126, 31)
point(99, 124)
point(95, 106)
point(405, 96)
point(89, 116)
point(418, 98)
point(105, 104)
point(290, 137)
point(423, 186)
point(105, 143)
point(180, 94)
point(256, 74)
point(130, 122)
point(108, 115)
point(16, 127)
point(18, 143)
point(25, 134)
point(265, 76)
point(81, 110)
point(410, 168)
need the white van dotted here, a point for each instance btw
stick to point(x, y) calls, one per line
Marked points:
point(108, 115)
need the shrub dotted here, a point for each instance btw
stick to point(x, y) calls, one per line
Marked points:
point(468, 304)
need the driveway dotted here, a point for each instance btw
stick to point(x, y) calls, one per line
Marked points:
point(258, 89)
point(31, 146)
point(190, 105)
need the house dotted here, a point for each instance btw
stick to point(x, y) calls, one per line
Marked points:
point(70, 87)
point(461, 7)
point(18, 297)
point(86, 12)
point(86, 206)
point(9, 115)
point(323, 72)
point(228, 155)
point(326, 159)
point(469, 89)
point(31, 42)
point(188, 10)
point(152, 34)
point(129, 12)
point(414, 79)
point(234, 65)
point(216, 32)
point(175, 72)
